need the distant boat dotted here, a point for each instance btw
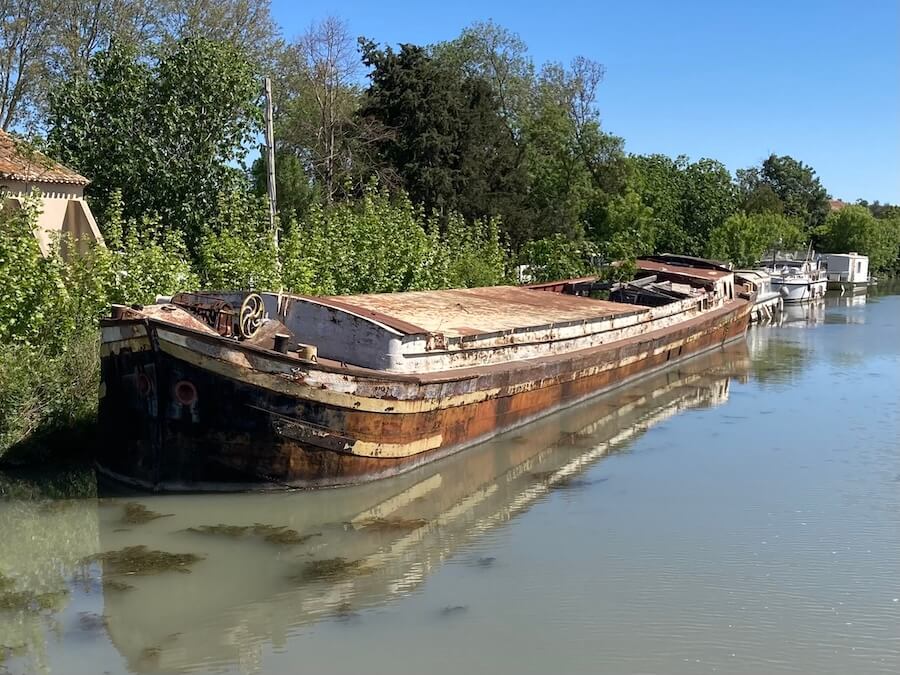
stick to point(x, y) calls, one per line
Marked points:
point(768, 302)
point(797, 280)
point(231, 391)
point(847, 272)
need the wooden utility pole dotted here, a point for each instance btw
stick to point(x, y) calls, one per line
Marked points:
point(270, 160)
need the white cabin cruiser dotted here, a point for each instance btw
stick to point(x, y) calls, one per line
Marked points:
point(797, 280)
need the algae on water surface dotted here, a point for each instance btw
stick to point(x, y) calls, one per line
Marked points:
point(139, 560)
point(138, 514)
point(274, 534)
point(331, 569)
point(392, 524)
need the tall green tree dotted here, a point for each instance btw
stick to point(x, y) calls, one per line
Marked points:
point(626, 228)
point(446, 139)
point(490, 51)
point(44, 42)
point(574, 167)
point(560, 185)
point(688, 199)
point(754, 195)
point(167, 134)
point(661, 183)
point(295, 192)
point(27, 32)
point(709, 199)
point(880, 210)
point(798, 190)
point(317, 95)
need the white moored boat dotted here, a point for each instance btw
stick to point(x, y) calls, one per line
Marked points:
point(797, 280)
point(767, 302)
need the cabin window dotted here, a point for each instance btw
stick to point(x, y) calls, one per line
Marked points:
point(859, 266)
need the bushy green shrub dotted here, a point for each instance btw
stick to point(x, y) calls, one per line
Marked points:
point(35, 298)
point(474, 255)
point(380, 244)
point(237, 250)
point(49, 364)
point(45, 389)
point(372, 245)
point(141, 260)
point(557, 257)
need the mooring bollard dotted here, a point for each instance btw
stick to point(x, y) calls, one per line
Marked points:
point(281, 342)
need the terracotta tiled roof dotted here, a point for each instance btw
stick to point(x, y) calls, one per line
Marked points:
point(17, 162)
point(836, 204)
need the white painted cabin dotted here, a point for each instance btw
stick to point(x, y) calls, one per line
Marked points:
point(846, 269)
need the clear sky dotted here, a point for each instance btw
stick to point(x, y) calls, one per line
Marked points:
point(731, 80)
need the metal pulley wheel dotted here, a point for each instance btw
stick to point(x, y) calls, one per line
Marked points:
point(251, 316)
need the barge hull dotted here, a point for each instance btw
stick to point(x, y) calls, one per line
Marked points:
point(180, 421)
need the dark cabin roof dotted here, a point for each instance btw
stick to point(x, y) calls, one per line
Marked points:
point(20, 163)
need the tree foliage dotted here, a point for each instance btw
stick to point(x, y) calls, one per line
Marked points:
point(44, 42)
point(743, 238)
point(295, 190)
point(447, 140)
point(380, 244)
point(854, 228)
point(798, 190)
point(317, 98)
point(557, 257)
point(688, 199)
point(166, 135)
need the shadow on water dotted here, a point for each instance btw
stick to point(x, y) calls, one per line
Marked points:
point(207, 580)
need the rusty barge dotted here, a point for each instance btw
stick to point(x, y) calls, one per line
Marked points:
point(237, 391)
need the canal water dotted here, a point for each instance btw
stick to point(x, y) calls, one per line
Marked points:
point(738, 513)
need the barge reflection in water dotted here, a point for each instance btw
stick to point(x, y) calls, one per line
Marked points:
point(270, 564)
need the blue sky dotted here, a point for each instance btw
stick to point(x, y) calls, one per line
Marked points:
point(735, 81)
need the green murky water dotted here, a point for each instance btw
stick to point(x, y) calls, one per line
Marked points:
point(738, 513)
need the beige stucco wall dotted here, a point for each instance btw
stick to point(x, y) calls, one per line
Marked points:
point(64, 211)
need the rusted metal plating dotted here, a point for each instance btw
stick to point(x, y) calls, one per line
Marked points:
point(216, 313)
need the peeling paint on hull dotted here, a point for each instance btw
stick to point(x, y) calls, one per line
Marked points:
point(182, 417)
